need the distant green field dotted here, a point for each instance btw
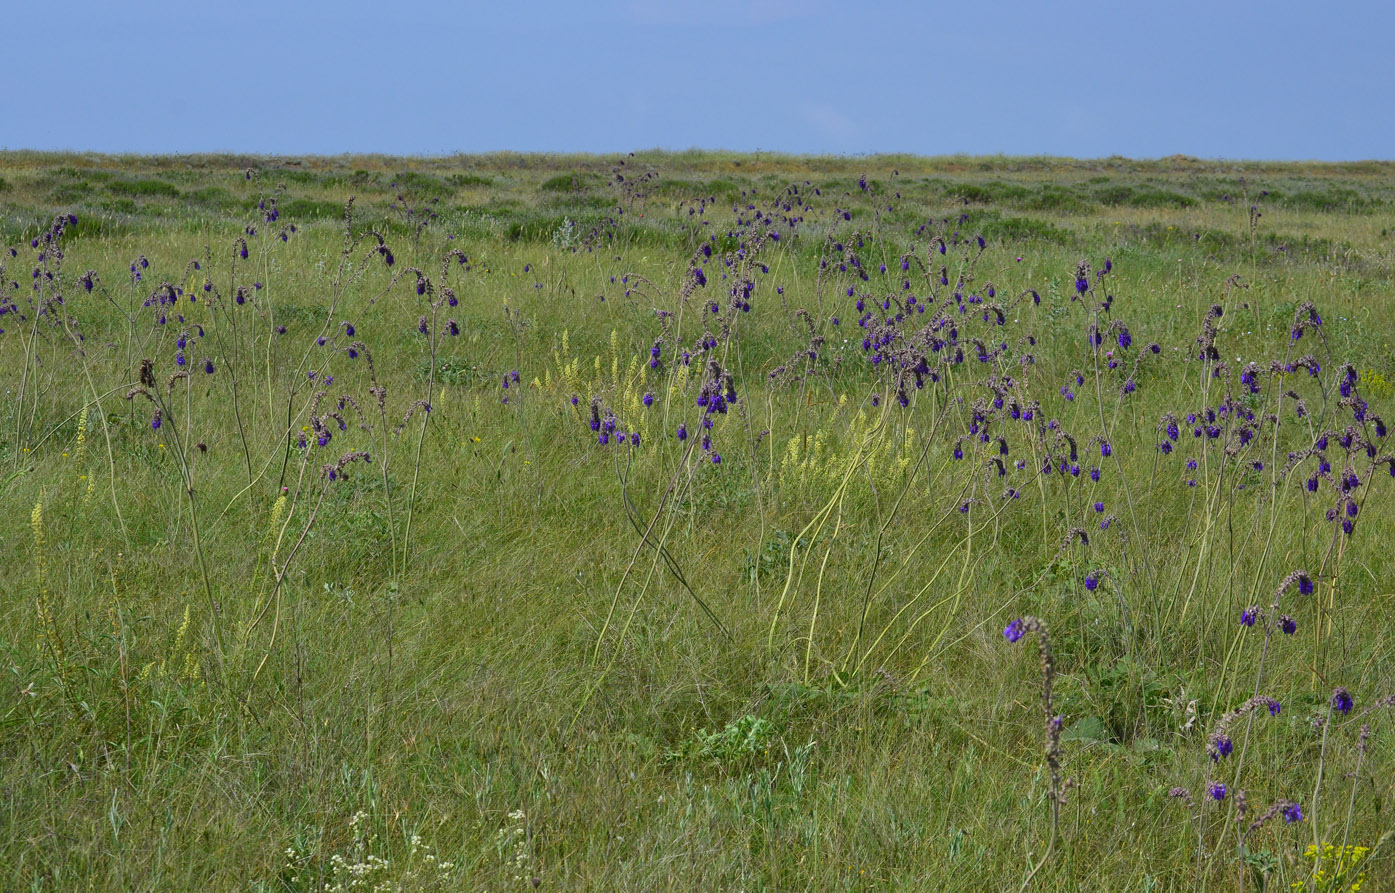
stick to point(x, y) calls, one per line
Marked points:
point(671, 522)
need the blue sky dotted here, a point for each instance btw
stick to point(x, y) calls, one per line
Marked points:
point(1215, 79)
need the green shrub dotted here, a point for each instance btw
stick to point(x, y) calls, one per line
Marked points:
point(573, 182)
point(420, 186)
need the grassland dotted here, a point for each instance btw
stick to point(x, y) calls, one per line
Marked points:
point(497, 653)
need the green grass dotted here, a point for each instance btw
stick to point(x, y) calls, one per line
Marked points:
point(807, 686)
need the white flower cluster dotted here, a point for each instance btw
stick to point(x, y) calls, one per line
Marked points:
point(361, 865)
point(512, 843)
